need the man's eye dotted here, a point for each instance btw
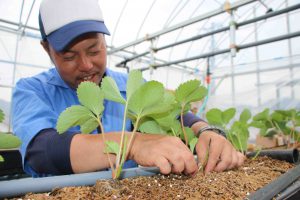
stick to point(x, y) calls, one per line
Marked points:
point(93, 53)
point(69, 58)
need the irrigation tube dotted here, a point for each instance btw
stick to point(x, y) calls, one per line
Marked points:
point(289, 155)
point(278, 185)
point(14, 188)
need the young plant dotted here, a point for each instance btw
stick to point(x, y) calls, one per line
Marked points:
point(143, 99)
point(87, 115)
point(167, 122)
point(267, 123)
point(186, 93)
point(237, 133)
point(7, 140)
point(291, 121)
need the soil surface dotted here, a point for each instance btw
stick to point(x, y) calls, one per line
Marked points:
point(233, 184)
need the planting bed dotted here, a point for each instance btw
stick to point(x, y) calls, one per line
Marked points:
point(233, 184)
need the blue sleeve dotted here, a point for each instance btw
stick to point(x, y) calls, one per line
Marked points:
point(31, 112)
point(189, 119)
point(49, 153)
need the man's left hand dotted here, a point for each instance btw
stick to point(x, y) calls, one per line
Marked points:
point(221, 154)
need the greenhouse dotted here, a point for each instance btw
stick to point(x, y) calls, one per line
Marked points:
point(192, 99)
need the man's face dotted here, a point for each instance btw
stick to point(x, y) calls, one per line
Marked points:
point(83, 60)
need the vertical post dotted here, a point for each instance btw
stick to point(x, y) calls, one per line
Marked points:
point(290, 53)
point(257, 62)
point(232, 32)
point(15, 66)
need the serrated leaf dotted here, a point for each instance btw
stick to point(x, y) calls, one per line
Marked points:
point(239, 135)
point(89, 125)
point(277, 116)
point(190, 91)
point(111, 147)
point(149, 94)
point(90, 96)
point(135, 81)
point(72, 116)
point(1, 116)
point(262, 115)
point(192, 143)
point(257, 124)
point(245, 116)
point(150, 126)
point(9, 141)
point(227, 115)
point(111, 90)
point(214, 117)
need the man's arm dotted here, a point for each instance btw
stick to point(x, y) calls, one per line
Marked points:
point(168, 153)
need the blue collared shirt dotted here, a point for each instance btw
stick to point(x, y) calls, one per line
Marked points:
point(39, 100)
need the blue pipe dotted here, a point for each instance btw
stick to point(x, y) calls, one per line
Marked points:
point(19, 187)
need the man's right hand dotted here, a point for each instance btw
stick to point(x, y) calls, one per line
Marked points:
point(168, 153)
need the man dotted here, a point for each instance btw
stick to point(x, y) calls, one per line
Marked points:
point(73, 36)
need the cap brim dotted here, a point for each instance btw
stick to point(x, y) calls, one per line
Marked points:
point(62, 37)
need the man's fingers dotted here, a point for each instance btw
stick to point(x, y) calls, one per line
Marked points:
point(163, 164)
point(226, 160)
point(214, 156)
point(241, 159)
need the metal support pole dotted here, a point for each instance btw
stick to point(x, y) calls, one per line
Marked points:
point(257, 63)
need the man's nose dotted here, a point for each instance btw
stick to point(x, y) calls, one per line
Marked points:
point(85, 64)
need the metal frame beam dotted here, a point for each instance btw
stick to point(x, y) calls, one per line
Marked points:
point(180, 25)
point(197, 37)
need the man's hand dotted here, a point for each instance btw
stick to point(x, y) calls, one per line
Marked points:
point(221, 154)
point(167, 153)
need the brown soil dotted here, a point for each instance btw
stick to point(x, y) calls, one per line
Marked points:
point(233, 184)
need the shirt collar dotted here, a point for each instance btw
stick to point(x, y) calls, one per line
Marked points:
point(55, 79)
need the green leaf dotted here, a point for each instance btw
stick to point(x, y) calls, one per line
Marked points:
point(89, 125)
point(1, 159)
point(239, 135)
point(151, 126)
point(111, 147)
point(262, 115)
point(270, 132)
point(111, 90)
point(135, 81)
point(147, 96)
point(189, 132)
point(90, 96)
point(190, 91)
point(227, 115)
point(277, 116)
point(214, 117)
point(245, 115)
point(9, 141)
point(257, 124)
point(192, 143)
point(1, 116)
point(73, 116)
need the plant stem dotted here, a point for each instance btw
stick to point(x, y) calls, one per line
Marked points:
point(174, 134)
point(132, 136)
point(183, 130)
point(103, 137)
point(118, 159)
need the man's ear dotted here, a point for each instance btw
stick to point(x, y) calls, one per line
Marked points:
point(45, 45)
